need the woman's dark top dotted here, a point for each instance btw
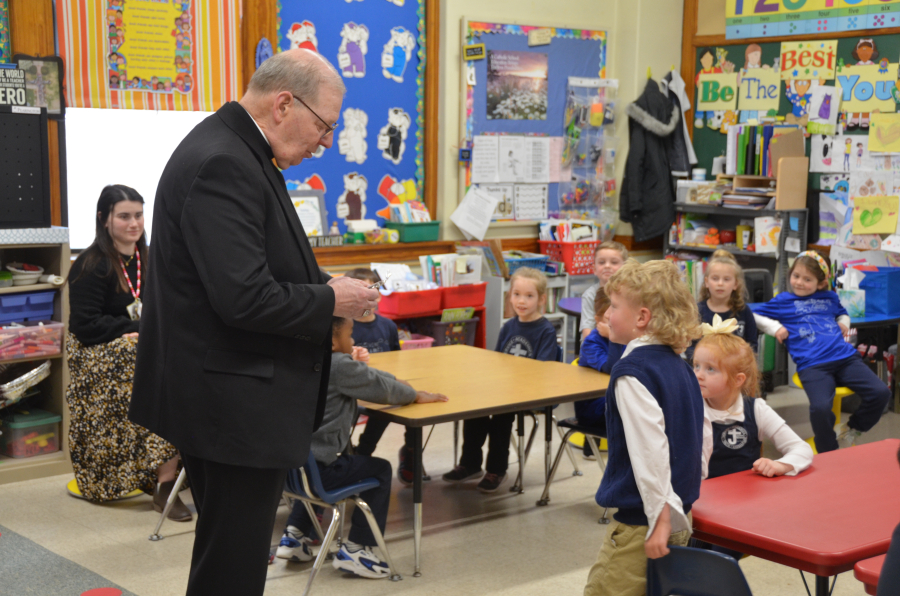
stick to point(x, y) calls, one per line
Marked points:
point(97, 305)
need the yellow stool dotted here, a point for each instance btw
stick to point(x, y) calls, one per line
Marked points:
point(839, 394)
point(577, 439)
point(72, 488)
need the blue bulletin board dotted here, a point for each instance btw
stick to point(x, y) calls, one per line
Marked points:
point(570, 53)
point(377, 154)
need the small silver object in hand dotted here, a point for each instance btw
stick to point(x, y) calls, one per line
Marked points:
point(366, 313)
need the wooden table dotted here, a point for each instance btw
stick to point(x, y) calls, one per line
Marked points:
point(868, 572)
point(478, 383)
point(802, 521)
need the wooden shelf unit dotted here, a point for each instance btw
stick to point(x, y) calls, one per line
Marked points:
point(55, 259)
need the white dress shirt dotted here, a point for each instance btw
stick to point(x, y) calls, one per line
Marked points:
point(772, 427)
point(648, 446)
point(257, 126)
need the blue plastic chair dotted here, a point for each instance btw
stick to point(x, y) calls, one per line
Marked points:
point(592, 434)
point(305, 484)
point(695, 572)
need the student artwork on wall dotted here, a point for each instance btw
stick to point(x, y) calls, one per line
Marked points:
point(521, 90)
point(769, 18)
point(377, 157)
point(179, 55)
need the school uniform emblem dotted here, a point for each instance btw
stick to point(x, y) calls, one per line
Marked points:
point(735, 437)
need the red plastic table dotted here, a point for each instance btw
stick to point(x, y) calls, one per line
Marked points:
point(868, 572)
point(841, 510)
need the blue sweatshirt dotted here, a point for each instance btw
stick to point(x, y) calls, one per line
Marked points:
point(813, 334)
point(376, 336)
point(535, 339)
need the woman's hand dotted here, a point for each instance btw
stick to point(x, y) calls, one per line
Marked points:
point(425, 397)
point(768, 468)
point(781, 335)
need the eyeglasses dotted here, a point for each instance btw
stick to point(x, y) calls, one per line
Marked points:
point(328, 128)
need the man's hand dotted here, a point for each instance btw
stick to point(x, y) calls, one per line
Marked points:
point(781, 335)
point(131, 335)
point(360, 354)
point(657, 545)
point(425, 397)
point(352, 297)
point(768, 468)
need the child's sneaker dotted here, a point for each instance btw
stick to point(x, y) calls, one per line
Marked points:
point(405, 470)
point(294, 546)
point(586, 451)
point(354, 558)
point(846, 436)
point(491, 482)
point(461, 474)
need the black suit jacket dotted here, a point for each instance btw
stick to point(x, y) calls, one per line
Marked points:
point(235, 337)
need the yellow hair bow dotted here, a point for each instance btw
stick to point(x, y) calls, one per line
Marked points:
point(719, 326)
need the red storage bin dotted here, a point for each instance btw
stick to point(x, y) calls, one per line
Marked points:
point(411, 303)
point(462, 296)
point(578, 257)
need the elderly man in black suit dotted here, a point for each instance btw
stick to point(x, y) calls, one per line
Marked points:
point(235, 339)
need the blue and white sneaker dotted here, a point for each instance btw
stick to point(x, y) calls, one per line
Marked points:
point(354, 558)
point(294, 546)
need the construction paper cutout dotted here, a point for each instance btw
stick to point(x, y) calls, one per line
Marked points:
point(352, 138)
point(395, 192)
point(392, 136)
point(353, 49)
point(884, 133)
point(397, 53)
point(808, 60)
point(303, 35)
point(760, 90)
point(875, 215)
point(352, 202)
point(866, 89)
point(717, 92)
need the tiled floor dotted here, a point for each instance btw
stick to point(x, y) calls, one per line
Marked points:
point(472, 544)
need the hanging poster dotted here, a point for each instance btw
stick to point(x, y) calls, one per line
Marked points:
point(150, 55)
point(717, 92)
point(867, 88)
point(808, 60)
point(760, 90)
point(516, 85)
point(767, 18)
point(377, 157)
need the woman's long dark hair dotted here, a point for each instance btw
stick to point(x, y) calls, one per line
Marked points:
point(103, 248)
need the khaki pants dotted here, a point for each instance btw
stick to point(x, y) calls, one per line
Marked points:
point(621, 567)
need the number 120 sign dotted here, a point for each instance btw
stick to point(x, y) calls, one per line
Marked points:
point(753, 8)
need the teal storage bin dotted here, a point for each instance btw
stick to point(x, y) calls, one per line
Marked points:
point(427, 231)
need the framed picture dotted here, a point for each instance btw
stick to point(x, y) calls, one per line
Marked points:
point(43, 83)
point(310, 206)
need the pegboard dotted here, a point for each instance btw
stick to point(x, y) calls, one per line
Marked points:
point(24, 169)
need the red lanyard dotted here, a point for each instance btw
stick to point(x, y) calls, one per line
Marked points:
point(137, 255)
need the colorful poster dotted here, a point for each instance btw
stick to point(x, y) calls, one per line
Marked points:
point(172, 55)
point(760, 90)
point(808, 60)
point(884, 133)
point(767, 18)
point(717, 92)
point(149, 46)
point(875, 215)
point(867, 88)
point(5, 55)
point(516, 85)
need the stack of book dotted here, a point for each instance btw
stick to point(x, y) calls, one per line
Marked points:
point(747, 198)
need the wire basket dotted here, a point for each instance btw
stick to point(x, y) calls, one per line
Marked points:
point(14, 390)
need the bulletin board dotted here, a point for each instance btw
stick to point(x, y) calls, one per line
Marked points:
point(571, 53)
point(377, 154)
point(150, 56)
point(709, 143)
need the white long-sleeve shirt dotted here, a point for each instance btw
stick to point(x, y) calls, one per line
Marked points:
point(648, 446)
point(795, 451)
point(771, 326)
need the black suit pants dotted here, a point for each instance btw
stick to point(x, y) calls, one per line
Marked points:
point(236, 508)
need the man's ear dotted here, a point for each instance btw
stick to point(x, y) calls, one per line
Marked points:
point(280, 106)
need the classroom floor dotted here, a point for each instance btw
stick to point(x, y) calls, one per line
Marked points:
point(472, 543)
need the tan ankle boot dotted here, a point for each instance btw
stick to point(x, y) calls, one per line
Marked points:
point(179, 511)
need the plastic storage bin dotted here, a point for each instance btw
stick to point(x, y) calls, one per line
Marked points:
point(462, 296)
point(30, 340)
point(409, 304)
point(427, 231)
point(27, 433)
point(578, 257)
point(532, 260)
point(455, 332)
point(417, 342)
point(27, 306)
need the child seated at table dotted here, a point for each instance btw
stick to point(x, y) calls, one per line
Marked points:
point(349, 381)
point(608, 257)
point(729, 382)
point(724, 293)
point(655, 423)
point(599, 353)
point(377, 334)
point(528, 334)
point(811, 323)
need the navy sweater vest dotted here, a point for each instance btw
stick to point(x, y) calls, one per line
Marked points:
point(673, 384)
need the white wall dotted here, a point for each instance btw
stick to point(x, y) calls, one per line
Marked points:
point(129, 147)
point(642, 33)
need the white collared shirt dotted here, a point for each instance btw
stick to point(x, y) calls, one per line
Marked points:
point(648, 446)
point(257, 126)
